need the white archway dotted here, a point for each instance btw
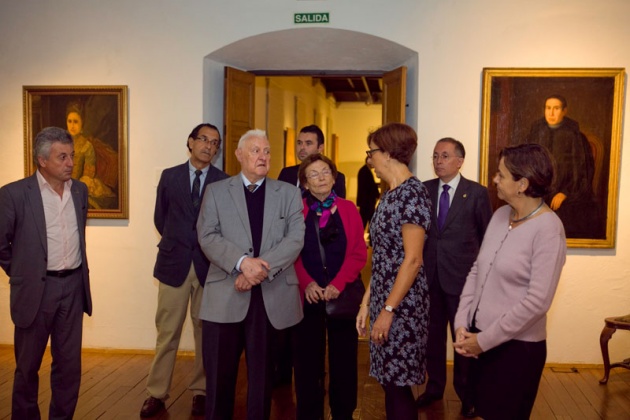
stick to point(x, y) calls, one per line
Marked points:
point(317, 50)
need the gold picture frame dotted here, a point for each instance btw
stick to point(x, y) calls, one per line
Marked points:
point(513, 112)
point(96, 116)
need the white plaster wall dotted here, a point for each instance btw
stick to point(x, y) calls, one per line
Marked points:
point(157, 49)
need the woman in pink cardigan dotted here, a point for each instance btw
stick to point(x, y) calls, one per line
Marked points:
point(338, 225)
point(502, 314)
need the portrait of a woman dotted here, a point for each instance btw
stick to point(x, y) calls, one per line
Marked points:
point(94, 161)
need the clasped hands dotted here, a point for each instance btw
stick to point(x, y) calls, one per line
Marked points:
point(314, 293)
point(466, 343)
point(253, 272)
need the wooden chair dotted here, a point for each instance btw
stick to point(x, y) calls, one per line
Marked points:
point(612, 324)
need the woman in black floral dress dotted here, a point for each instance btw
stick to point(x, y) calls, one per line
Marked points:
point(398, 298)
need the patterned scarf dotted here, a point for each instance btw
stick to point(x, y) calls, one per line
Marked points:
point(322, 209)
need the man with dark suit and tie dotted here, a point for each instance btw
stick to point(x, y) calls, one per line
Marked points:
point(42, 250)
point(251, 229)
point(310, 140)
point(181, 266)
point(461, 214)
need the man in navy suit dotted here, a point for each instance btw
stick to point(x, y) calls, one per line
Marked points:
point(181, 266)
point(310, 140)
point(42, 250)
point(458, 223)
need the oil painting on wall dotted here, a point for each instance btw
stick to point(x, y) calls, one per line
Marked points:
point(96, 117)
point(577, 115)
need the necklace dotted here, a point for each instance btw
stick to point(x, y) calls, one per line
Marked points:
point(536, 210)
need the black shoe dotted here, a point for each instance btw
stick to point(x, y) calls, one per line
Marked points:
point(151, 407)
point(199, 405)
point(468, 411)
point(427, 399)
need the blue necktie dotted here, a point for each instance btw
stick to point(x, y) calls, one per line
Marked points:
point(444, 205)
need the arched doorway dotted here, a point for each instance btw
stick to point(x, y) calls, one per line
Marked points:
point(314, 50)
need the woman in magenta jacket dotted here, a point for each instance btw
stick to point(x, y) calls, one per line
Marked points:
point(338, 224)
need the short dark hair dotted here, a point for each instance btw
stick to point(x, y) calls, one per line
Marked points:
point(459, 147)
point(45, 139)
point(561, 98)
point(195, 132)
point(312, 159)
point(397, 139)
point(532, 162)
point(315, 130)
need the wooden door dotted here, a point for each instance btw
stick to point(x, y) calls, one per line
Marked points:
point(239, 103)
point(394, 95)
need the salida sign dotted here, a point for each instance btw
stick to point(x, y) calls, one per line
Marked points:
point(311, 18)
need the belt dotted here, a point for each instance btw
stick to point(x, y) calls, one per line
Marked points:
point(61, 273)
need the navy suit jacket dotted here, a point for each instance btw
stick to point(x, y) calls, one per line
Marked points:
point(290, 175)
point(449, 253)
point(24, 245)
point(176, 220)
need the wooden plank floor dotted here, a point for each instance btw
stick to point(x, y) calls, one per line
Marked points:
point(113, 387)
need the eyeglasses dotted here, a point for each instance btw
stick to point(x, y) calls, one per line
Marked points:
point(371, 151)
point(315, 175)
point(443, 156)
point(210, 142)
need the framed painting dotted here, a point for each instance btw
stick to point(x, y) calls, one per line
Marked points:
point(96, 117)
point(577, 115)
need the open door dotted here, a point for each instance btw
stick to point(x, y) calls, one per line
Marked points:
point(239, 113)
point(394, 95)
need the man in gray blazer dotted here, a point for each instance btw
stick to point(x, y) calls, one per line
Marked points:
point(42, 250)
point(251, 229)
point(461, 213)
point(181, 267)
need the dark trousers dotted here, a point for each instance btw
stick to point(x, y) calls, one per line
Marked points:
point(506, 378)
point(60, 317)
point(223, 344)
point(309, 353)
point(442, 310)
point(399, 403)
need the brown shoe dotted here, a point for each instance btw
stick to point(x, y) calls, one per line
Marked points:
point(152, 407)
point(199, 405)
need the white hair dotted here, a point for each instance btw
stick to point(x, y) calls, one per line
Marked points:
point(250, 134)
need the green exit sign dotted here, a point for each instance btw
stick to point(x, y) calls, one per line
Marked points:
point(311, 18)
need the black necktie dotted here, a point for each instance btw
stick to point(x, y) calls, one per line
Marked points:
point(196, 188)
point(444, 205)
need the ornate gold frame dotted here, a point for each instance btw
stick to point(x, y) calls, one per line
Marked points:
point(104, 109)
point(512, 98)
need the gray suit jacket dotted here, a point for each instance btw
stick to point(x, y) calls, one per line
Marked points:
point(225, 236)
point(449, 253)
point(24, 247)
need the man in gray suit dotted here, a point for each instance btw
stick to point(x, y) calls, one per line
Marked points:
point(42, 250)
point(251, 229)
point(461, 213)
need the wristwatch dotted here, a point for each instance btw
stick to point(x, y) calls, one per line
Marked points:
point(389, 308)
